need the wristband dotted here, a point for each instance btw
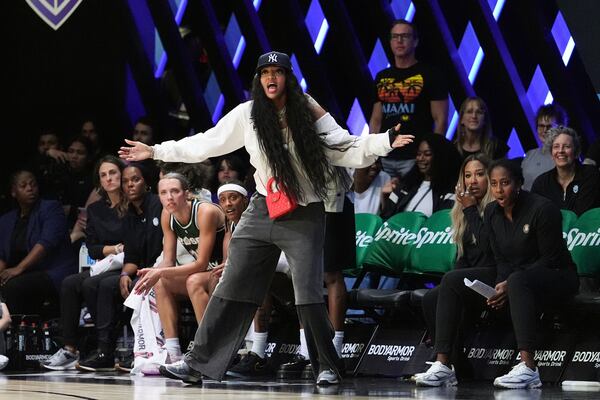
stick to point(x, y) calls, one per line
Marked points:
point(124, 274)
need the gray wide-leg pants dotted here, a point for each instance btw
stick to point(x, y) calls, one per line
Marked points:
point(253, 254)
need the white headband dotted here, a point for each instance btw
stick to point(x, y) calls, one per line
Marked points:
point(231, 187)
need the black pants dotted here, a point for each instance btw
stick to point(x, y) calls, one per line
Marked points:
point(26, 293)
point(529, 292)
point(99, 294)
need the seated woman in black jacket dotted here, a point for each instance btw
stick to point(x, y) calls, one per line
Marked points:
point(569, 184)
point(428, 186)
point(469, 233)
point(534, 269)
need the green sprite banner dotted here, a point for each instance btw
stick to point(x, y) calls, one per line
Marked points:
point(433, 250)
point(366, 226)
point(583, 241)
point(390, 250)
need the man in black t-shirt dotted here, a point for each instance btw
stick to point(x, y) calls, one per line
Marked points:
point(410, 93)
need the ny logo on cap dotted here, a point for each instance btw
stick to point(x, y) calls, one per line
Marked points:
point(273, 58)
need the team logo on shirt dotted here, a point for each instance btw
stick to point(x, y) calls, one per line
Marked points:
point(575, 188)
point(526, 228)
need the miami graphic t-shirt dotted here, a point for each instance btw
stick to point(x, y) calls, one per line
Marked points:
point(405, 95)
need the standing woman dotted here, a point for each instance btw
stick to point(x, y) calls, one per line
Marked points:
point(289, 137)
point(474, 133)
point(570, 185)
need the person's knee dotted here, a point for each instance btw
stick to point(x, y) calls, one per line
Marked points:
point(197, 283)
point(452, 279)
point(10, 290)
point(89, 285)
point(516, 282)
point(70, 284)
point(160, 289)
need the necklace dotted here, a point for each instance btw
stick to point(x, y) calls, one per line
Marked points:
point(281, 114)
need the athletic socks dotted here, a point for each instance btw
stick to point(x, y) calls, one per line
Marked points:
point(173, 348)
point(338, 342)
point(259, 343)
point(303, 350)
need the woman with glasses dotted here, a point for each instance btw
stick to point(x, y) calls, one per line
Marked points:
point(539, 160)
point(474, 132)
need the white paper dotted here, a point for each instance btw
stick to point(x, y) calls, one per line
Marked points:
point(481, 288)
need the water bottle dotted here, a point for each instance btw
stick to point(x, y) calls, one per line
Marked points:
point(22, 337)
point(34, 342)
point(85, 261)
point(21, 346)
point(9, 341)
point(47, 339)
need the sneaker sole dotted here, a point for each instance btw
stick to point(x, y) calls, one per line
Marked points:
point(445, 383)
point(61, 368)
point(186, 379)
point(531, 385)
point(90, 369)
point(325, 383)
point(247, 374)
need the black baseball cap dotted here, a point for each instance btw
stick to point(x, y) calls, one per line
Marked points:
point(274, 58)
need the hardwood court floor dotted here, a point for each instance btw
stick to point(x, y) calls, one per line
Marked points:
point(112, 386)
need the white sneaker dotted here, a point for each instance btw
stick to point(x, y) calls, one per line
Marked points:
point(152, 368)
point(61, 360)
point(3, 361)
point(327, 377)
point(519, 377)
point(437, 375)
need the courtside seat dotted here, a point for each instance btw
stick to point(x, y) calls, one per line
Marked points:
point(583, 241)
point(416, 297)
point(388, 255)
point(378, 298)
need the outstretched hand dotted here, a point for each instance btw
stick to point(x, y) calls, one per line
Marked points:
point(136, 151)
point(400, 140)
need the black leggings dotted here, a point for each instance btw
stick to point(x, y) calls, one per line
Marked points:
point(529, 292)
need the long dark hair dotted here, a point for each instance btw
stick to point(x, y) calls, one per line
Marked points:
point(310, 148)
point(444, 167)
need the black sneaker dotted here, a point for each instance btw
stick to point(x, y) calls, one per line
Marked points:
point(249, 366)
point(292, 369)
point(97, 362)
point(180, 370)
point(307, 373)
point(126, 365)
